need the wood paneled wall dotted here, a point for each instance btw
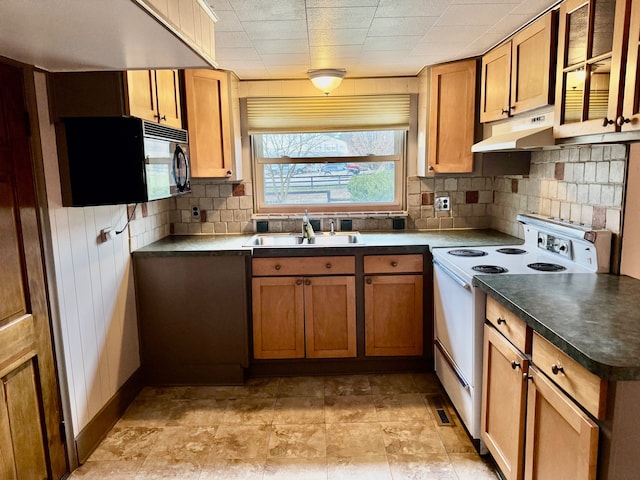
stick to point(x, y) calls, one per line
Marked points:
point(94, 290)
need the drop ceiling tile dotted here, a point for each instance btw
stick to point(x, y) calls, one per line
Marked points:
point(232, 39)
point(341, 3)
point(533, 7)
point(217, 5)
point(410, 8)
point(237, 54)
point(468, 15)
point(336, 51)
point(255, 10)
point(457, 35)
point(404, 44)
point(276, 30)
point(338, 36)
point(508, 24)
point(285, 59)
point(227, 21)
point(402, 26)
point(265, 47)
point(330, 18)
point(482, 2)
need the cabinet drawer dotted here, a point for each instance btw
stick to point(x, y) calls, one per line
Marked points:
point(586, 388)
point(393, 263)
point(507, 323)
point(303, 266)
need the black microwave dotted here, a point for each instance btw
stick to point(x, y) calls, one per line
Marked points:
point(121, 160)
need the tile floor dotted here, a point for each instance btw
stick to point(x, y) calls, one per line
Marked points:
point(336, 427)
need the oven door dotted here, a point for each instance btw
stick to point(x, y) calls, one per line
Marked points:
point(454, 321)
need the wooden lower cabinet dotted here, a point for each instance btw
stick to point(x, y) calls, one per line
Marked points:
point(504, 396)
point(562, 442)
point(393, 315)
point(304, 317)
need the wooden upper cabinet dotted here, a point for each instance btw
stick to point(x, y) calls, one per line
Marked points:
point(155, 96)
point(591, 49)
point(494, 90)
point(452, 117)
point(630, 118)
point(210, 121)
point(518, 75)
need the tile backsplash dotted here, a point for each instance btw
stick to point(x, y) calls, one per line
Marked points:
point(583, 184)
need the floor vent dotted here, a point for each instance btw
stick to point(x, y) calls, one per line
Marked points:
point(438, 408)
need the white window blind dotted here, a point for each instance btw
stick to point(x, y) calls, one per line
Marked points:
point(321, 114)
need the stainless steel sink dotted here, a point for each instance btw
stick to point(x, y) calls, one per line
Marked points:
point(321, 239)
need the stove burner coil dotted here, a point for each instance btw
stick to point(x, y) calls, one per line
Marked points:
point(546, 267)
point(467, 252)
point(511, 251)
point(489, 269)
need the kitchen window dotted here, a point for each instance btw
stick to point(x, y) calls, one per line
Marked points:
point(335, 171)
point(329, 154)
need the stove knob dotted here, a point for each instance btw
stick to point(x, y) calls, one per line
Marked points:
point(563, 248)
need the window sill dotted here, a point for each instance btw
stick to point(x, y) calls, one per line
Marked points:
point(320, 215)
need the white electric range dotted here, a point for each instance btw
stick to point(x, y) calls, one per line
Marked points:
point(550, 246)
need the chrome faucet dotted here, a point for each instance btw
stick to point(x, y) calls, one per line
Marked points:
point(332, 224)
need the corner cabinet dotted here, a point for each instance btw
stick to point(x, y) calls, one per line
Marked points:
point(518, 76)
point(532, 428)
point(213, 123)
point(452, 117)
point(592, 56)
point(153, 95)
point(393, 296)
point(304, 307)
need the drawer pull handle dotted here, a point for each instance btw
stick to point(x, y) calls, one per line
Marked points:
point(369, 281)
point(394, 264)
point(556, 369)
point(298, 282)
point(307, 282)
point(278, 267)
point(515, 364)
point(328, 265)
point(501, 321)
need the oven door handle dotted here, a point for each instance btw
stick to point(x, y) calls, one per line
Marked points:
point(454, 276)
point(452, 364)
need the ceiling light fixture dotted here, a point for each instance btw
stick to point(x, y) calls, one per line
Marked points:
point(327, 79)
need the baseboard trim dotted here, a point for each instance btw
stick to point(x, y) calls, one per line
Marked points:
point(98, 427)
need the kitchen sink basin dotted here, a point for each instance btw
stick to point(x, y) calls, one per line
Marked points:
point(322, 239)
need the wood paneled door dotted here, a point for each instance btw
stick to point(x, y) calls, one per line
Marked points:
point(31, 443)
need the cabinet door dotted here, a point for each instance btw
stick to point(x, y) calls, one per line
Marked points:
point(631, 110)
point(562, 442)
point(504, 397)
point(330, 317)
point(393, 315)
point(588, 82)
point(207, 122)
point(141, 86)
point(533, 65)
point(278, 317)
point(168, 91)
point(452, 117)
point(496, 82)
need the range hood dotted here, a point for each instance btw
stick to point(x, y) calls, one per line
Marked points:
point(524, 139)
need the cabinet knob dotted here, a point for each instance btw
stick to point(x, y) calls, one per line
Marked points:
point(394, 264)
point(369, 281)
point(555, 369)
point(606, 122)
point(307, 282)
point(515, 364)
point(161, 118)
point(505, 111)
point(229, 173)
point(501, 321)
point(328, 265)
point(278, 267)
point(621, 120)
point(430, 168)
point(299, 282)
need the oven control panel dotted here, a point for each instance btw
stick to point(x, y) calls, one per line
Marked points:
point(554, 244)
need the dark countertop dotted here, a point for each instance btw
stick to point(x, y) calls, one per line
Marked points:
point(234, 244)
point(592, 317)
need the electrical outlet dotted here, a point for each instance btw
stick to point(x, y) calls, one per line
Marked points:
point(442, 204)
point(107, 234)
point(195, 212)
